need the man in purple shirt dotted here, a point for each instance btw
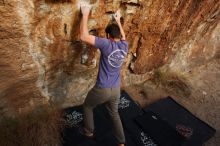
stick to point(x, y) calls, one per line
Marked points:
point(106, 91)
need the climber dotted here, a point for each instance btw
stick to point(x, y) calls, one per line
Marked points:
point(106, 91)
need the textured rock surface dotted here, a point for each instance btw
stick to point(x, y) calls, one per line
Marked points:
point(19, 64)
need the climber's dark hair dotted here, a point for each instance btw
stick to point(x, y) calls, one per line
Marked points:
point(113, 31)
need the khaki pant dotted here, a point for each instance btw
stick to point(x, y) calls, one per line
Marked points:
point(110, 97)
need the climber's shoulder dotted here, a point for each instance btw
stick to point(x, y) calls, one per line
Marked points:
point(101, 42)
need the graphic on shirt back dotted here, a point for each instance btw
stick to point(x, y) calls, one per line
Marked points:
point(116, 58)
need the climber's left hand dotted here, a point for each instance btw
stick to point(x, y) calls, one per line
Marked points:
point(117, 16)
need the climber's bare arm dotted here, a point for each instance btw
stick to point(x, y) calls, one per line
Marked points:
point(84, 33)
point(117, 17)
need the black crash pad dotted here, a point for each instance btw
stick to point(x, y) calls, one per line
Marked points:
point(159, 130)
point(138, 136)
point(128, 111)
point(103, 127)
point(128, 108)
point(193, 129)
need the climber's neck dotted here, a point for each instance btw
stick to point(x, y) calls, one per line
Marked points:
point(117, 40)
point(114, 39)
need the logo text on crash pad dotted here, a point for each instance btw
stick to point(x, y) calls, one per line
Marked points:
point(74, 118)
point(124, 103)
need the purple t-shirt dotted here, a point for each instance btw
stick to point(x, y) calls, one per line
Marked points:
point(113, 54)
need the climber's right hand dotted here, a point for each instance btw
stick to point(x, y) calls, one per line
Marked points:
point(85, 9)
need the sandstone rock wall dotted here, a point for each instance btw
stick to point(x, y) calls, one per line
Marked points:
point(42, 58)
